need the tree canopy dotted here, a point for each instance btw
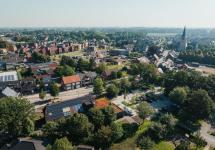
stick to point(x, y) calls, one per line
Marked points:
point(98, 86)
point(145, 110)
point(16, 116)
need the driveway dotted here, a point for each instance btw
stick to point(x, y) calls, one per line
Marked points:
point(205, 128)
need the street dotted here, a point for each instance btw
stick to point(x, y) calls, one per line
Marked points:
point(205, 135)
point(63, 96)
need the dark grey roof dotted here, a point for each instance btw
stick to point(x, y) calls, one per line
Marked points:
point(55, 111)
point(23, 146)
point(88, 74)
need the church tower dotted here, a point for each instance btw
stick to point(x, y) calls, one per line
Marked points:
point(183, 42)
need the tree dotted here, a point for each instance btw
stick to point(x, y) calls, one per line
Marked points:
point(145, 110)
point(50, 130)
point(119, 74)
point(153, 50)
point(148, 73)
point(125, 85)
point(26, 72)
point(83, 65)
point(145, 143)
point(113, 75)
point(28, 126)
point(97, 117)
point(64, 71)
point(169, 121)
point(117, 131)
point(92, 64)
point(157, 131)
point(103, 137)
point(199, 105)
point(42, 94)
point(110, 115)
point(54, 90)
point(178, 95)
point(112, 91)
point(65, 60)
point(40, 58)
point(78, 127)
point(101, 68)
point(98, 86)
point(61, 144)
point(16, 116)
point(184, 145)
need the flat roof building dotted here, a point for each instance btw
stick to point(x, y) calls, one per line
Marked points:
point(8, 76)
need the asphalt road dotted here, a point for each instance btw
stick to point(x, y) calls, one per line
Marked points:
point(63, 96)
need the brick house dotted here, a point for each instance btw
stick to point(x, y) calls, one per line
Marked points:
point(71, 82)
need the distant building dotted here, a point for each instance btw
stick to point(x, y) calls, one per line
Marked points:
point(8, 76)
point(87, 78)
point(117, 52)
point(183, 42)
point(10, 80)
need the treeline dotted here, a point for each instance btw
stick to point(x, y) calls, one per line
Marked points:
point(191, 79)
point(200, 56)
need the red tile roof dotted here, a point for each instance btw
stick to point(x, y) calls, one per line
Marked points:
point(102, 103)
point(71, 79)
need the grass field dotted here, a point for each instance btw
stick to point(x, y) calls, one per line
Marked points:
point(164, 146)
point(70, 54)
point(128, 144)
point(113, 67)
point(206, 70)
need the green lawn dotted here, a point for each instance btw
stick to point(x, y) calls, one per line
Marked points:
point(144, 126)
point(128, 144)
point(113, 67)
point(164, 146)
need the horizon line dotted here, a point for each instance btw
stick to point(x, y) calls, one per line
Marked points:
point(91, 27)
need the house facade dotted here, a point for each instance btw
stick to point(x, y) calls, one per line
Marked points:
point(71, 82)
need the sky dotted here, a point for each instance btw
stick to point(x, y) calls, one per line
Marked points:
point(107, 13)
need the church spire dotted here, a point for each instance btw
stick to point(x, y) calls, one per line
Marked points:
point(183, 42)
point(184, 34)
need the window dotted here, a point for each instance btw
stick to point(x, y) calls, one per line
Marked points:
point(66, 111)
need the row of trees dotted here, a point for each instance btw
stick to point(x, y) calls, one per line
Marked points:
point(200, 56)
point(79, 64)
point(192, 79)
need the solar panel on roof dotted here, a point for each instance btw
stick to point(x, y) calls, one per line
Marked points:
point(1, 78)
point(5, 78)
point(12, 77)
point(9, 78)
